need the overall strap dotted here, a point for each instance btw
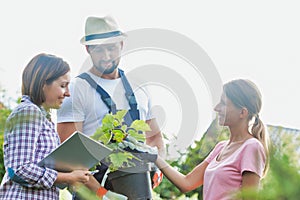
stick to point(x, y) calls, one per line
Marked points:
point(128, 91)
point(107, 99)
point(104, 95)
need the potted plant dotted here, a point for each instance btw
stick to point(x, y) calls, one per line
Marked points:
point(129, 163)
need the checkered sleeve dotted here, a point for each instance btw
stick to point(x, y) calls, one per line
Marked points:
point(22, 148)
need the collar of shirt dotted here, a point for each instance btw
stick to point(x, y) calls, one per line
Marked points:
point(26, 99)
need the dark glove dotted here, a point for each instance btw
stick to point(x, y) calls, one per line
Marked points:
point(139, 149)
point(145, 156)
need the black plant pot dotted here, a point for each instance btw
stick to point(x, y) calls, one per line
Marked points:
point(134, 182)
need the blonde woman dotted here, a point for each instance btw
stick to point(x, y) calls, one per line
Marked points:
point(237, 163)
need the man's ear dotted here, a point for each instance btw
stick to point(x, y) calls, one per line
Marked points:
point(87, 48)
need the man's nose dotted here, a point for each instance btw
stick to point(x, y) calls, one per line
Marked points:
point(106, 54)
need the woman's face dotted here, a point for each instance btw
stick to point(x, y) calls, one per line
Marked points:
point(228, 113)
point(56, 92)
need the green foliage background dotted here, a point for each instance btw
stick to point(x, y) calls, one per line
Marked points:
point(194, 155)
point(281, 182)
point(4, 112)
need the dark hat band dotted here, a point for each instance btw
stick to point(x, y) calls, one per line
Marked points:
point(103, 35)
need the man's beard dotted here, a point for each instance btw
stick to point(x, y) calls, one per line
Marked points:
point(104, 70)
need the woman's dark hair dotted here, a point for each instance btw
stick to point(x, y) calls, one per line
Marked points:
point(42, 69)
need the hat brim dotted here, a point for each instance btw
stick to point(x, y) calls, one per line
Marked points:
point(103, 41)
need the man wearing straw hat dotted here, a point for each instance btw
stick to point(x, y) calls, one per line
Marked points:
point(88, 105)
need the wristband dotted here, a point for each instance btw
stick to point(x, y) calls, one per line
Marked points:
point(101, 191)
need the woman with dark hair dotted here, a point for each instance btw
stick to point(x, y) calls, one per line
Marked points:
point(30, 135)
point(238, 163)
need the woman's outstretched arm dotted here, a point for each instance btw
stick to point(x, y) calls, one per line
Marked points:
point(184, 183)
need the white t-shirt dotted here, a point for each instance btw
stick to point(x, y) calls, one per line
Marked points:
point(85, 103)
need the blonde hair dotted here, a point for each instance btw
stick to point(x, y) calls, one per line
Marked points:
point(244, 93)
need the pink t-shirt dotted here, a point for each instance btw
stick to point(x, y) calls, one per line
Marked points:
point(221, 178)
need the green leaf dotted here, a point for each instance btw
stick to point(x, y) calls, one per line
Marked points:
point(118, 135)
point(113, 146)
point(138, 136)
point(124, 127)
point(120, 115)
point(113, 129)
point(97, 134)
point(140, 125)
point(108, 122)
point(117, 123)
point(120, 159)
point(105, 138)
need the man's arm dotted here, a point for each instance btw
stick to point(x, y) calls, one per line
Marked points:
point(65, 129)
point(154, 137)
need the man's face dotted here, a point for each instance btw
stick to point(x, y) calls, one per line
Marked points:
point(105, 57)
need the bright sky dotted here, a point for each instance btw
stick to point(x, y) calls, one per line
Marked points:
point(258, 40)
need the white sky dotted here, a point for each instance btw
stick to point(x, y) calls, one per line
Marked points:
point(259, 40)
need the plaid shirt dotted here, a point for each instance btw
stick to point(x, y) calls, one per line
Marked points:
point(29, 136)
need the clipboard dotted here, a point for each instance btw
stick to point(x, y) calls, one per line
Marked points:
point(77, 152)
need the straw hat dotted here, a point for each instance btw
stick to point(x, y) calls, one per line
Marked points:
point(99, 30)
